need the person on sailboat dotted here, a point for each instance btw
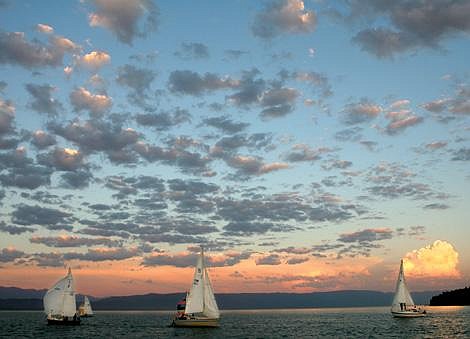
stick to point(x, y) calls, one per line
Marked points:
point(180, 307)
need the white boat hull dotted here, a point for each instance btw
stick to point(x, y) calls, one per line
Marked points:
point(196, 322)
point(409, 314)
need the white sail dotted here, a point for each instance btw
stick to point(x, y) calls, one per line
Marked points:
point(402, 295)
point(87, 306)
point(60, 299)
point(201, 298)
point(210, 305)
point(195, 299)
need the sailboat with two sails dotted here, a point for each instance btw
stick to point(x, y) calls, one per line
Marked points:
point(59, 302)
point(403, 305)
point(201, 308)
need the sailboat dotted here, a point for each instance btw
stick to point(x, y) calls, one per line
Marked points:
point(201, 308)
point(403, 305)
point(85, 309)
point(59, 302)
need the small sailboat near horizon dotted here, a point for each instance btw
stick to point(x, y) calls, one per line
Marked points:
point(201, 309)
point(84, 310)
point(59, 302)
point(403, 305)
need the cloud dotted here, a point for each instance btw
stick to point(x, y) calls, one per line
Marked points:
point(317, 80)
point(193, 50)
point(37, 215)
point(362, 111)
point(400, 120)
point(283, 16)
point(296, 260)
point(10, 255)
point(436, 145)
point(367, 235)
point(122, 18)
point(42, 99)
point(7, 116)
point(15, 50)
point(14, 230)
point(458, 104)
point(43, 28)
point(93, 60)
point(191, 83)
point(278, 101)
point(272, 259)
point(138, 79)
point(77, 179)
point(63, 159)
point(104, 254)
point(163, 121)
point(249, 165)
point(72, 241)
point(462, 154)
point(189, 259)
point(439, 259)
point(97, 104)
point(42, 140)
point(225, 124)
point(97, 135)
point(241, 228)
point(414, 24)
point(302, 152)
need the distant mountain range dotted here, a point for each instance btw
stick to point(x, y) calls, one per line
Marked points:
point(13, 298)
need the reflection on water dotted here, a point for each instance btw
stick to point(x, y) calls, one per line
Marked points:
point(375, 322)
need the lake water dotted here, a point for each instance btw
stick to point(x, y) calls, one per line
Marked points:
point(371, 322)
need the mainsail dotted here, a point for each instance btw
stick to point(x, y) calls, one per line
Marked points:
point(200, 299)
point(60, 299)
point(402, 295)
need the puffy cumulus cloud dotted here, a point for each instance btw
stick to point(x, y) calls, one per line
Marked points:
point(122, 17)
point(43, 28)
point(283, 16)
point(362, 111)
point(192, 83)
point(279, 101)
point(42, 140)
point(93, 60)
point(7, 116)
point(413, 24)
point(96, 104)
point(439, 259)
point(138, 79)
point(42, 100)
point(64, 159)
point(72, 241)
point(192, 50)
point(16, 50)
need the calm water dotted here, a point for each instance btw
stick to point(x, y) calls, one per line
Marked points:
point(450, 322)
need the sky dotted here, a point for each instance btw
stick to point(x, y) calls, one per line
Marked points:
point(307, 145)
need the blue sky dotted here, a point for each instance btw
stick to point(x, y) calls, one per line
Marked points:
point(324, 140)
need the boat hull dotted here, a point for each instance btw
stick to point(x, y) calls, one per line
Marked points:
point(196, 322)
point(63, 321)
point(408, 314)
